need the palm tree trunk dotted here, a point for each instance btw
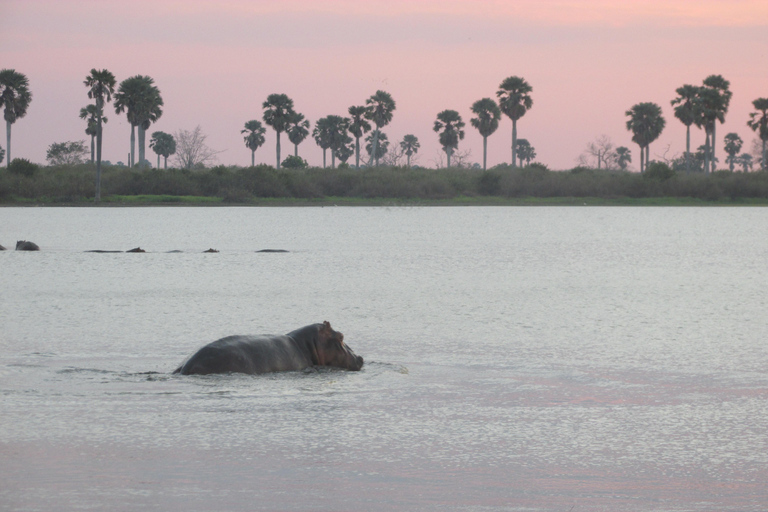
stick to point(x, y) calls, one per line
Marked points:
point(485, 152)
point(133, 145)
point(278, 151)
point(253, 156)
point(514, 143)
point(357, 153)
point(295, 150)
point(142, 146)
point(8, 142)
point(642, 159)
point(448, 152)
point(324, 150)
point(714, 139)
point(706, 153)
point(375, 146)
point(158, 160)
point(765, 160)
point(165, 162)
point(647, 155)
point(333, 159)
point(408, 155)
point(93, 149)
point(688, 149)
point(98, 159)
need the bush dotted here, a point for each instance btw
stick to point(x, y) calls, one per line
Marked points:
point(294, 162)
point(22, 167)
point(658, 171)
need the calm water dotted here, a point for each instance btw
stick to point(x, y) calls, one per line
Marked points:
point(525, 359)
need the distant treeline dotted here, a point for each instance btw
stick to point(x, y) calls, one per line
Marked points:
point(241, 185)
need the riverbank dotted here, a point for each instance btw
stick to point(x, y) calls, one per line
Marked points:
point(534, 185)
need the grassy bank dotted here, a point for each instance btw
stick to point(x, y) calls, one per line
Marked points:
point(263, 185)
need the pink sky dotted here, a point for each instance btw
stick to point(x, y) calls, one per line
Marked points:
point(215, 63)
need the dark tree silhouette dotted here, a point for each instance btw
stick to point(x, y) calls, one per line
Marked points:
point(164, 145)
point(380, 109)
point(685, 111)
point(514, 102)
point(449, 125)
point(358, 127)
point(410, 146)
point(15, 98)
point(758, 121)
point(278, 110)
point(140, 99)
point(101, 87)
point(89, 113)
point(298, 131)
point(487, 122)
point(646, 123)
point(254, 137)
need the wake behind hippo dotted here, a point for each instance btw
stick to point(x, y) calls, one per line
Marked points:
point(313, 345)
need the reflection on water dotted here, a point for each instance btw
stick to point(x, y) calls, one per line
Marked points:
point(516, 359)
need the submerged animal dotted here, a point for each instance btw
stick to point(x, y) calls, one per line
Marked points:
point(23, 245)
point(313, 345)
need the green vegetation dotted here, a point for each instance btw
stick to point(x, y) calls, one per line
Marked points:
point(534, 184)
point(15, 98)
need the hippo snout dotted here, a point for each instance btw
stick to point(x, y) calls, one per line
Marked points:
point(359, 361)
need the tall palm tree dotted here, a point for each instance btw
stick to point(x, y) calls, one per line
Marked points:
point(358, 127)
point(733, 145)
point(646, 123)
point(514, 102)
point(15, 96)
point(758, 121)
point(487, 122)
point(298, 130)
point(380, 109)
point(254, 138)
point(410, 145)
point(685, 112)
point(525, 151)
point(164, 145)
point(382, 145)
point(449, 125)
point(719, 84)
point(89, 114)
point(322, 134)
point(278, 110)
point(101, 87)
point(708, 109)
point(140, 99)
point(337, 135)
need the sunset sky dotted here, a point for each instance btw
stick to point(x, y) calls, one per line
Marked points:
point(588, 61)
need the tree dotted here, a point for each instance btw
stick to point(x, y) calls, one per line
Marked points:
point(140, 99)
point(514, 102)
point(15, 97)
point(449, 125)
point(720, 85)
point(338, 138)
point(2, 154)
point(601, 149)
point(322, 135)
point(733, 145)
point(66, 153)
point(708, 108)
point(745, 161)
point(278, 110)
point(358, 127)
point(623, 157)
point(685, 111)
point(254, 138)
point(525, 151)
point(101, 87)
point(382, 145)
point(646, 123)
point(89, 113)
point(758, 121)
point(164, 145)
point(298, 130)
point(487, 122)
point(345, 151)
point(410, 146)
point(380, 109)
point(191, 149)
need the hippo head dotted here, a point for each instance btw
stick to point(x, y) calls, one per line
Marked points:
point(332, 351)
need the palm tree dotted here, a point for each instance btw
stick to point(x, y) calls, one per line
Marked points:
point(719, 84)
point(345, 151)
point(708, 109)
point(487, 121)
point(101, 86)
point(382, 144)
point(646, 123)
point(380, 108)
point(525, 151)
point(449, 125)
point(298, 130)
point(623, 157)
point(337, 135)
point(685, 112)
point(410, 145)
point(89, 114)
point(15, 96)
point(358, 127)
point(733, 145)
point(255, 137)
point(278, 110)
point(758, 121)
point(140, 99)
point(514, 102)
point(745, 161)
point(164, 145)
point(322, 134)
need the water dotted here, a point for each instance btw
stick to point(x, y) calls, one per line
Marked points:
point(524, 359)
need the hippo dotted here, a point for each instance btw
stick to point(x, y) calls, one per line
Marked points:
point(211, 250)
point(313, 345)
point(23, 245)
point(2, 248)
point(272, 250)
point(136, 249)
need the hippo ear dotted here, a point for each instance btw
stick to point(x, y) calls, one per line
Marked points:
point(326, 326)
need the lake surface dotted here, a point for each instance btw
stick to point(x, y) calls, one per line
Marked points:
point(517, 359)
